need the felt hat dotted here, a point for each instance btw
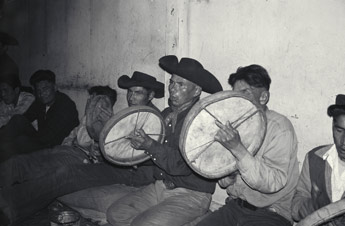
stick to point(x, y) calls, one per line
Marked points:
point(191, 70)
point(337, 108)
point(144, 80)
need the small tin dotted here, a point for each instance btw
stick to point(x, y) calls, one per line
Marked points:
point(65, 218)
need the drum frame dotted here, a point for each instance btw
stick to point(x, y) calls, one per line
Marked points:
point(118, 117)
point(196, 109)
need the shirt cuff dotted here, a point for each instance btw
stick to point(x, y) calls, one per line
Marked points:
point(245, 164)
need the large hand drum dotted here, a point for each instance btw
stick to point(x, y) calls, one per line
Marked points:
point(114, 145)
point(205, 155)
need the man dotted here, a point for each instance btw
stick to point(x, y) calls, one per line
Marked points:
point(141, 89)
point(13, 101)
point(56, 116)
point(7, 65)
point(178, 194)
point(261, 190)
point(323, 173)
point(93, 202)
point(60, 174)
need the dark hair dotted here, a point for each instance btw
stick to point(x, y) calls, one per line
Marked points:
point(11, 79)
point(255, 75)
point(42, 75)
point(104, 90)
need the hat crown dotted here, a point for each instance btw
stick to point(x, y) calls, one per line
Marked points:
point(139, 76)
point(340, 99)
point(190, 64)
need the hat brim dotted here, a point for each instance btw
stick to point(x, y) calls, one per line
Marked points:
point(201, 77)
point(125, 82)
point(335, 110)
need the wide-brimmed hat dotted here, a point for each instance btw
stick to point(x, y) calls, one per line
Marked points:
point(7, 39)
point(144, 80)
point(191, 70)
point(337, 108)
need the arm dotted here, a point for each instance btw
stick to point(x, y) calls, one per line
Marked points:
point(164, 156)
point(24, 102)
point(302, 201)
point(266, 173)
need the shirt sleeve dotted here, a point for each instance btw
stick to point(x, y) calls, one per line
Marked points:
point(169, 159)
point(268, 172)
point(302, 201)
point(23, 104)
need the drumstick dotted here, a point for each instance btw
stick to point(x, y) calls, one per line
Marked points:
point(198, 154)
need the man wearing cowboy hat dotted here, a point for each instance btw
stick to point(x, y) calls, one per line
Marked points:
point(7, 65)
point(178, 194)
point(322, 179)
point(141, 89)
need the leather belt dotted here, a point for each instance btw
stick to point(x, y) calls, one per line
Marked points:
point(245, 204)
point(169, 184)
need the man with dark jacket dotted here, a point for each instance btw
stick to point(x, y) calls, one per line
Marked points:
point(178, 194)
point(56, 116)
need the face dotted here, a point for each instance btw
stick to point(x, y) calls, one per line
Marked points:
point(8, 94)
point(138, 96)
point(182, 91)
point(252, 92)
point(339, 135)
point(45, 92)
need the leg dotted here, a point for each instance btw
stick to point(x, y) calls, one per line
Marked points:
point(26, 167)
point(127, 208)
point(175, 207)
point(94, 202)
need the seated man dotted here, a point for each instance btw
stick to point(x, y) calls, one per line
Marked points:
point(78, 148)
point(56, 116)
point(323, 173)
point(178, 194)
point(93, 202)
point(260, 192)
point(13, 101)
point(36, 190)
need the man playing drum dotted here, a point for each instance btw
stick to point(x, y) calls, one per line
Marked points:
point(261, 189)
point(323, 174)
point(178, 194)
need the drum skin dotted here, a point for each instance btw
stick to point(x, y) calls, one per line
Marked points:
point(208, 157)
point(114, 145)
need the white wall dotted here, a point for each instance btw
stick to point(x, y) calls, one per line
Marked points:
point(89, 42)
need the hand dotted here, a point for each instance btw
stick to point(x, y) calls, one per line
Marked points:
point(140, 140)
point(230, 139)
point(228, 180)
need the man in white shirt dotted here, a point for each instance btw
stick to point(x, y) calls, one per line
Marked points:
point(322, 180)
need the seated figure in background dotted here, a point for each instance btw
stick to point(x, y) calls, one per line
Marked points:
point(322, 179)
point(56, 116)
point(13, 101)
point(39, 182)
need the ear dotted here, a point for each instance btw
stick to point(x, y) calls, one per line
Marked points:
point(198, 90)
point(151, 95)
point(264, 97)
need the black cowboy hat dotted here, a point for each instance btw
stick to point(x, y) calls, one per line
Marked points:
point(7, 39)
point(191, 70)
point(144, 80)
point(337, 108)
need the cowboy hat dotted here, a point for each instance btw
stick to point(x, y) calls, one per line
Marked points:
point(337, 108)
point(191, 70)
point(143, 80)
point(7, 39)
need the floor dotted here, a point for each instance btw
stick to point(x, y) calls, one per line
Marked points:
point(42, 218)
